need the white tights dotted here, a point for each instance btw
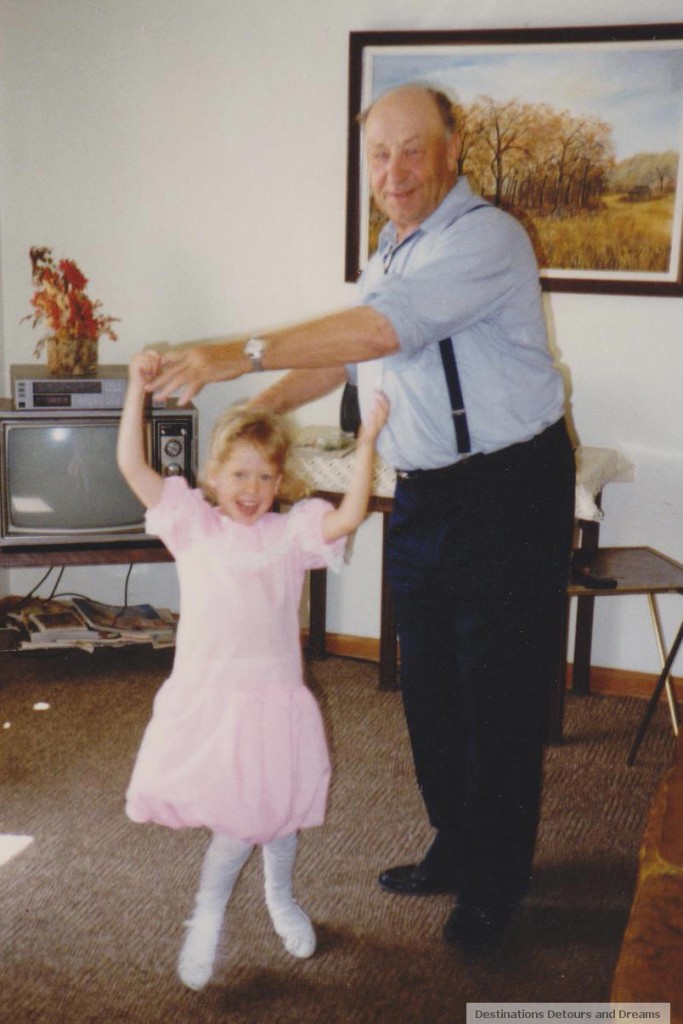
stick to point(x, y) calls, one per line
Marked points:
point(289, 920)
point(223, 861)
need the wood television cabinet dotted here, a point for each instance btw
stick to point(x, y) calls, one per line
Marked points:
point(149, 549)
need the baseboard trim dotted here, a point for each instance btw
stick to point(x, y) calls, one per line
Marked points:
point(617, 682)
point(610, 682)
point(365, 648)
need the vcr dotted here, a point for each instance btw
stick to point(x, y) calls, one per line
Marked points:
point(34, 388)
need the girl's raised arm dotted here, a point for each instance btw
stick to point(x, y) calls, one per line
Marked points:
point(339, 522)
point(144, 481)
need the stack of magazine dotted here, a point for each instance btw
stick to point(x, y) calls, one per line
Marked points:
point(82, 622)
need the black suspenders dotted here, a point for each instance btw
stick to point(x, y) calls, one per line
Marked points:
point(450, 368)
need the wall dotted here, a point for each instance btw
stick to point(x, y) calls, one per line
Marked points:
point(191, 158)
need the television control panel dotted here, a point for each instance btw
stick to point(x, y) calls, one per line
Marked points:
point(174, 447)
point(34, 388)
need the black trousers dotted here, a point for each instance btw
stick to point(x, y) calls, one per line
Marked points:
point(477, 560)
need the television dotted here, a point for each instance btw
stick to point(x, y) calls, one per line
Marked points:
point(59, 480)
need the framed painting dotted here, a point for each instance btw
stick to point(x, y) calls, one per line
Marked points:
point(576, 132)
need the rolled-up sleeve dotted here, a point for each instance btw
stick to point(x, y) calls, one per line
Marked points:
point(465, 273)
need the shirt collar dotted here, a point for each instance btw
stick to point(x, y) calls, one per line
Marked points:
point(453, 205)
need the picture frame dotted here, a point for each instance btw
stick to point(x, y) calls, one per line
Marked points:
point(591, 160)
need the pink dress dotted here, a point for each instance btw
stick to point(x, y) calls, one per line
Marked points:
point(236, 741)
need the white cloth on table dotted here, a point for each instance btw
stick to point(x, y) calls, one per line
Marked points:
point(330, 471)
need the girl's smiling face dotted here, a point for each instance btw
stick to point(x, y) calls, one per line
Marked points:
point(245, 484)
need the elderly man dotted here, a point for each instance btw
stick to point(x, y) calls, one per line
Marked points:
point(449, 325)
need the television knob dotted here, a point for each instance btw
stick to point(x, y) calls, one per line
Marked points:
point(173, 447)
point(172, 469)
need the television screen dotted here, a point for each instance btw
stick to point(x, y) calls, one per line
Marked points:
point(63, 477)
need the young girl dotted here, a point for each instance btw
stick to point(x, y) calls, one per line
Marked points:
point(236, 740)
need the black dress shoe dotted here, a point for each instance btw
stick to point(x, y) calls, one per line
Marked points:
point(413, 880)
point(477, 932)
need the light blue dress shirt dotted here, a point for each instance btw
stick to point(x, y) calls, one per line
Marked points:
point(471, 275)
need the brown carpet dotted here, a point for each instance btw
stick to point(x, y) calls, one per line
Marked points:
point(93, 910)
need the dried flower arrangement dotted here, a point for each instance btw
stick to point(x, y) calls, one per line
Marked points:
point(75, 324)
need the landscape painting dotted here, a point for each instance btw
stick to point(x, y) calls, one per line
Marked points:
point(576, 132)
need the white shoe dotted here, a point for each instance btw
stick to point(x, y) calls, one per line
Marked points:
point(198, 952)
point(295, 930)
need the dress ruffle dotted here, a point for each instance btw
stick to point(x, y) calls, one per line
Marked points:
point(184, 517)
point(261, 771)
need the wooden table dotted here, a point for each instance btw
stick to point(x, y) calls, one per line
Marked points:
point(328, 474)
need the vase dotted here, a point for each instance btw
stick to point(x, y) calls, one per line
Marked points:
point(71, 357)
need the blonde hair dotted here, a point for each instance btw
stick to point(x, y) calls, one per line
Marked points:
point(268, 434)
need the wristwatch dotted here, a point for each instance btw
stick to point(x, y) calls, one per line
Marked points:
point(254, 349)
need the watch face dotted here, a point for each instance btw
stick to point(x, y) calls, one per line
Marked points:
point(254, 347)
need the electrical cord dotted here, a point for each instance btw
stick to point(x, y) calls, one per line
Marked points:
point(27, 597)
point(55, 595)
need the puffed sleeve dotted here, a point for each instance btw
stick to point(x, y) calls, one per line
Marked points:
point(181, 516)
point(306, 520)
